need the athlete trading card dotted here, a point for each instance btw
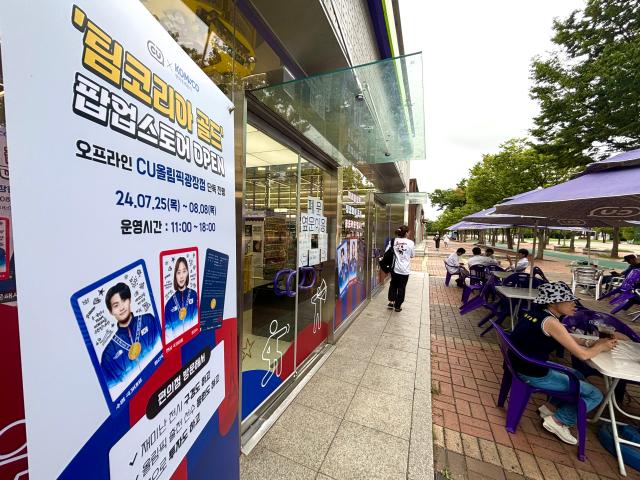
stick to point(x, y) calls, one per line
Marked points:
point(180, 294)
point(214, 285)
point(119, 322)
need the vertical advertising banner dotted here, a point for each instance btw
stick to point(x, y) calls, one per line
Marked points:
point(122, 189)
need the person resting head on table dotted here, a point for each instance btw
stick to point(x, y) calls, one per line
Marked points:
point(537, 334)
point(522, 263)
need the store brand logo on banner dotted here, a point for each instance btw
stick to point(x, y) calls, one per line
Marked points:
point(155, 52)
point(619, 212)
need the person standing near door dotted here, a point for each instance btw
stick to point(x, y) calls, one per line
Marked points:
point(403, 251)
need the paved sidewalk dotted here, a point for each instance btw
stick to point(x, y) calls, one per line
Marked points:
point(470, 440)
point(366, 414)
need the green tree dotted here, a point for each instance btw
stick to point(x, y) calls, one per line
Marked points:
point(588, 87)
point(449, 198)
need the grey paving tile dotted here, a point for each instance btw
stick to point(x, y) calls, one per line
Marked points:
point(404, 329)
point(423, 370)
point(322, 476)
point(359, 453)
point(421, 443)
point(263, 464)
point(327, 394)
point(344, 368)
point(389, 380)
point(302, 435)
point(381, 411)
point(394, 358)
point(355, 348)
point(398, 342)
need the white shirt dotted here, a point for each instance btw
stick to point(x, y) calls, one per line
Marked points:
point(404, 250)
point(481, 260)
point(522, 265)
point(446, 239)
point(453, 263)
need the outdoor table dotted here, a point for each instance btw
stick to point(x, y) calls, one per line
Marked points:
point(501, 275)
point(615, 368)
point(515, 293)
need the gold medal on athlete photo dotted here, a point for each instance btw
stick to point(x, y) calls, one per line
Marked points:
point(134, 350)
point(182, 314)
point(213, 303)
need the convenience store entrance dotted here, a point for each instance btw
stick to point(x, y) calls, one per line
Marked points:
point(289, 211)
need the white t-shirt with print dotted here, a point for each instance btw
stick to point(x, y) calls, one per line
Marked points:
point(404, 250)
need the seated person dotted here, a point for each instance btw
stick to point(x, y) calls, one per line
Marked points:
point(479, 259)
point(454, 266)
point(523, 261)
point(538, 334)
point(633, 262)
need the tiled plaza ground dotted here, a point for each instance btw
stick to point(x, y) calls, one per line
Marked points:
point(470, 440)
point(366, 414)
point(368, 411)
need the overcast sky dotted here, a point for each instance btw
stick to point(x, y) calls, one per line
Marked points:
point(476, 59)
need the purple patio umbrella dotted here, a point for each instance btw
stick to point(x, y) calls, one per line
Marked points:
point(606, 194)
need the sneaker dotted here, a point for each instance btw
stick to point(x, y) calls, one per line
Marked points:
point(398, 309)
point(390, 305)
point(560, 431)
point(544, 412)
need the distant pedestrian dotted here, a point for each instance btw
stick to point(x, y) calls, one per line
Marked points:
point(436, 240)
point(446, 239)
point(403, 251)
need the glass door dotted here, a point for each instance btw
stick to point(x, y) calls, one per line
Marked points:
point(316, 258)
point(267, 350)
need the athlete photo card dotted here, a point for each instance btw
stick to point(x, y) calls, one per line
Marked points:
point(180, 293)
point(119, 323)
point(353, 258)
point(5, 253)
point(343, 266)
point(214, 286)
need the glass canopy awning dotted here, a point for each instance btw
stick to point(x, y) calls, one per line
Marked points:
point(368, 114)
point(403, 198)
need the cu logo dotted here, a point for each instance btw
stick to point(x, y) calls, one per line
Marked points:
point(571, 222)
point(155, 52)
point(619, 212)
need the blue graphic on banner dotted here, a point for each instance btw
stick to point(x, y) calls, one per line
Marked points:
point(214, 286)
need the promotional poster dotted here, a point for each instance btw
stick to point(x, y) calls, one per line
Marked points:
point(122, 161)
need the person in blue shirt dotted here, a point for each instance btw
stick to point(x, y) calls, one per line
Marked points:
point(181, 310)
point(135, 342)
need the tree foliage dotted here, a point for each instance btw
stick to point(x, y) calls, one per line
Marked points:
point(589, 86)
point(516, 168)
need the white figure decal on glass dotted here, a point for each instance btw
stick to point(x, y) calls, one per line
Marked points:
point(271, 353)
point(317, 300)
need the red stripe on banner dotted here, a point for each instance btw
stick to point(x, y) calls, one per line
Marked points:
point(228, 410)
point(181, 473)
point(171, 364)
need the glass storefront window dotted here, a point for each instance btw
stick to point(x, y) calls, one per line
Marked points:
point(352, 249)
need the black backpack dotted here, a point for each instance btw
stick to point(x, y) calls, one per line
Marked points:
point(388, 259)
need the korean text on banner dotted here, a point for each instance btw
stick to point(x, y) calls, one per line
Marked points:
point(122, 183)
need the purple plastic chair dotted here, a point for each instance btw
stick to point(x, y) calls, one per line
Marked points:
point(477, 278)
point(587, 321)
point(480, 300)
point(519, 392)
point(538, 273)
point(625, 291)
point(449, 274)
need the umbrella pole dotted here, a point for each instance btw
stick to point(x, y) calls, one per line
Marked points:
point(533, 256)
